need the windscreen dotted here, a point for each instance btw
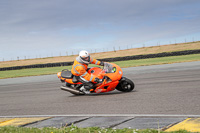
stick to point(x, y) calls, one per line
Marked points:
point(109, 68)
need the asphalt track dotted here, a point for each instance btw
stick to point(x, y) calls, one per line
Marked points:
point(166, 97)
point(172, 89)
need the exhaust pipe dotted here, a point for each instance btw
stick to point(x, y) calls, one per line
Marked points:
point(71, 90)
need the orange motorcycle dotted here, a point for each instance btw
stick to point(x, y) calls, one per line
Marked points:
point(111, 76)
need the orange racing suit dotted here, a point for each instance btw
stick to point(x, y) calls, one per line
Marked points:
point(80, 69)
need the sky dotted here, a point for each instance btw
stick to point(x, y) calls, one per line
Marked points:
point(46, 28)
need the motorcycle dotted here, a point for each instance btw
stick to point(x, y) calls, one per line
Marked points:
point(111, 75)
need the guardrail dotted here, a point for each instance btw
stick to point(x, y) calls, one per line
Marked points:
point(134, 57)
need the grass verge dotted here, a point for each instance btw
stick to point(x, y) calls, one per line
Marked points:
point(123, 64)
point(74, 129)
point(159, 61)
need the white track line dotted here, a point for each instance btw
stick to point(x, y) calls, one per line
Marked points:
point(93, 115)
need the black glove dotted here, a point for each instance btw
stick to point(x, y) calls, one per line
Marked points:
point(102, 63)
point(62, 81)
point(98, 80)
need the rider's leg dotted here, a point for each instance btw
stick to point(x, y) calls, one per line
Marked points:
point(87, 85)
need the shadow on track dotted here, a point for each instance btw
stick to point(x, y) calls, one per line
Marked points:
point(103, 94)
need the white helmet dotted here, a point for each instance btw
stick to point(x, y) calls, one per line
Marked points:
point(84, 56)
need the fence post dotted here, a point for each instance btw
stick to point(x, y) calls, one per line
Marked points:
point(114, 49)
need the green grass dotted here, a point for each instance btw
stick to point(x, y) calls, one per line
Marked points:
point(158, 61)
point(123, 64)
point(74, 129)
point(31, 72)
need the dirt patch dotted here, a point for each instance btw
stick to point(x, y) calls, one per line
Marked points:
point(120, 53)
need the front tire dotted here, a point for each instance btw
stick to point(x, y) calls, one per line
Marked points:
point(125, 85)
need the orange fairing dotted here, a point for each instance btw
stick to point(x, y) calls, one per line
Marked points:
point(117, 75)
point(70, 81)
point(106, 87)
point(59, 74)
point(111, 73)
point(66, 80)
point(114, 74)
point(96, 71)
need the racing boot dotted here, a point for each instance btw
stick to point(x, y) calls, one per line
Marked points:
point(83, 89)
point(87, 87)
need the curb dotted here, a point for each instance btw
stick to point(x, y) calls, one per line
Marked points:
point(165, 123)
point(190, 124)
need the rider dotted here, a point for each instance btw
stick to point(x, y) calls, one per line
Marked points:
point(80, 66)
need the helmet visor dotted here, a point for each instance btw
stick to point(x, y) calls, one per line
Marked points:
point(86, 58)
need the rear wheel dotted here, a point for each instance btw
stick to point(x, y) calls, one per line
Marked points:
point(125, 85)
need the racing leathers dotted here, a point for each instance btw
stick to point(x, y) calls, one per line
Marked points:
point(79, 68)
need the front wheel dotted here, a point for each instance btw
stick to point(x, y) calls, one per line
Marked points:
point(125, 85)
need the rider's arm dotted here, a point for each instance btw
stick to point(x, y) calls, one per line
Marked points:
point(84, 74)
point(97, 62)
point(79, 70)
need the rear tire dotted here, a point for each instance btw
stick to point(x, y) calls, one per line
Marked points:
point(125, 85)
